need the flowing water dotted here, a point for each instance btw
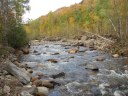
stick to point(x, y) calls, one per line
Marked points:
point(111, 78)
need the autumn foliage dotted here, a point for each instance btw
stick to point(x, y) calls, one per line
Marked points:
point(105, 17)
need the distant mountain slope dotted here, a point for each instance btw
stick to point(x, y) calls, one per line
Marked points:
point(99, 16)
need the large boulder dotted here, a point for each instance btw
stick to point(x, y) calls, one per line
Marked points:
point(20, 74)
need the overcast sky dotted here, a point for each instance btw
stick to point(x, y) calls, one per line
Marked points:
point(42, 7)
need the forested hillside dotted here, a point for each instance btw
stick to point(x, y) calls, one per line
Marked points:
point(105, 17)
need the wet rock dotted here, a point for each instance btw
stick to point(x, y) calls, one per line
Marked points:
point(92, 67)
point(119, 93)
point(40, 75)
point(62, 74)
point(55, 53)
point(35, 51)
point(73, 51)
point(42, 91)
point(100, 59)
point(71, 57)
point(17, 72)
point(37, 83)
point(6, 89)
point(25, 50)
point(25, 93)
point(34, 79)
point(82, 49)
point(47, 83)
point(52, 60)
point(30, 89)
point(30, 71)
point(115, 55)
point(23, 66)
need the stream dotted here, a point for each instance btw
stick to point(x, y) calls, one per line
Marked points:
point(75, 74)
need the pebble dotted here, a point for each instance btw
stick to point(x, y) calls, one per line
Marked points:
point(6, 89)
point(115, 55)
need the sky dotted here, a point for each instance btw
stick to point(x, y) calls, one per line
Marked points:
point(43, 7)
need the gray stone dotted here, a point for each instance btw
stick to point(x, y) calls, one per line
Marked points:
point(25, 93)
point(20, 74)
point(100, 59)
point(92, 67)
point(1, 91)
point(43, 91)
point(6, 89)
point(84, 38)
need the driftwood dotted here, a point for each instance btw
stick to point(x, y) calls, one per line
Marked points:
point(103, 38)
point(20, 74)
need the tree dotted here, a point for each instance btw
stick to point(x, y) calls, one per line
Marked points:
point(11, 12)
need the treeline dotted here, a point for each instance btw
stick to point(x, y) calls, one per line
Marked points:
point(12, 32)
point(98, 16)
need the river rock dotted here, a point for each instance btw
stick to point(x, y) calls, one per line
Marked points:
point(35, 51)
point(25, 93)
point(62, 74)
point(6, 89)
point(115, 55)
point(30, 71)
point(18, 53)
point(92, 67)
point(37, 83)
point(119, 93)
point(52, 60)
point(100, 59)
point(17, 72)
point(84, 38)
point(79, 44)
point(90, 43)
point(30, 89)
point(34, 79)
point(25, 50)
point(56, 53)
point(73, 51)
point(42, 91)
point(47, 83)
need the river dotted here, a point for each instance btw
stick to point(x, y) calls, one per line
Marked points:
point(76, 78)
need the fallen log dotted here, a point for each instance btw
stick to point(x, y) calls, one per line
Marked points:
point(103, 38)
point(20, 74)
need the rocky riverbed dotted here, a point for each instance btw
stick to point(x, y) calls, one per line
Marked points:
point(68, 68)
point(77, 70)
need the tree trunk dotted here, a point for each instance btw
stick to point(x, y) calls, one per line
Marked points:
point(4, 6)
point(119, 28)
